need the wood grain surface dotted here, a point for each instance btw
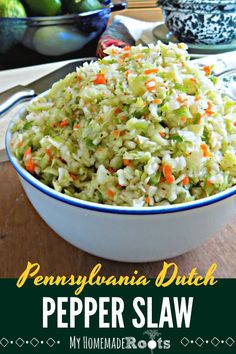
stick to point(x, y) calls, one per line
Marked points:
point(141, 3)
point(149, 14)
point(24, 236)
point(145, 10)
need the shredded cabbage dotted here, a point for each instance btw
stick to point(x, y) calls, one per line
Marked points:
point(141, 127)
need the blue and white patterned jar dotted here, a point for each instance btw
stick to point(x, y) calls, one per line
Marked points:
point(200, 21)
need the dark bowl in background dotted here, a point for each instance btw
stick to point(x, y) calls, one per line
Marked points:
point(56, 35)
point(204, 22)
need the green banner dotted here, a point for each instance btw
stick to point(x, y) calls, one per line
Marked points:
point(143, 319)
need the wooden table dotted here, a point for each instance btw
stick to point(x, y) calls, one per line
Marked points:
point(25, 236)
point(142, 10)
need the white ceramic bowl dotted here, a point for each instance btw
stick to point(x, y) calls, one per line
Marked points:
point(124, 233)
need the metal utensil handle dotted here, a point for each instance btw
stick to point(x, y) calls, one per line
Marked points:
point(119, 6)
point(15, 94)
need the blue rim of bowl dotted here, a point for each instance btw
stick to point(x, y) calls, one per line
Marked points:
point(34, 182)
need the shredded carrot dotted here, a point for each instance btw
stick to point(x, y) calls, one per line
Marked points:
point(150, 85)
point(123, 118)
point(27, 153)
point(168, 174)
point(181, 99)
point(30, 166)
point(197, 98)
point(208, 183)
point(210, 105)
point(185, 181)
point(54, 125)
point(184, 119)
point(73, 176)
point(235, 124)
point(127, 47)
point(124, 56)
point(110, 193)
point(139, 56)
point(209, 111)
point(118, 110)
point(79, 77)
point(148, 200)
point(200, 118)
point(127, 162)
point(151, 71)
point(64, 123)
point(127, 73)
point(20, 143)
point(162, 134)
point(206, 152)
point(180, 45)
point(48, 152)
point(100, 80)
point(116, 133)
point(193, 79)
point(114, 51)
point(110, 169)
point(207, 70)
point(76, 126)
point(162, 179)
point(156, 101)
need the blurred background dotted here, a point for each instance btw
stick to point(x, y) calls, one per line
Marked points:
point(42, 31)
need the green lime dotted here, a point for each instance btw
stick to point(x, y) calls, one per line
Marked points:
point(44, 7)
point(60, 40)
point(12, 8)
point(77, 6)
point(11, 32)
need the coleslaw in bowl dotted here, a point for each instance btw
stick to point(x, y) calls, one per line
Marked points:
point(111, 166)
point(141, 127)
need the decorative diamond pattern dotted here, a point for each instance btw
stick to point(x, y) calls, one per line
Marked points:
point(50, 342)
point(215, 341)
point(199, 341)
point(184, 341)
point(229, 341)
point(4, 342)
point(19, 342)
point(34, 342)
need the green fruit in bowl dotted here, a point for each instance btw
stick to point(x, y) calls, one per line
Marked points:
point(59, 40)
point(78, 6)
point(12, 27)
point(12, 8)
point(44, 7)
